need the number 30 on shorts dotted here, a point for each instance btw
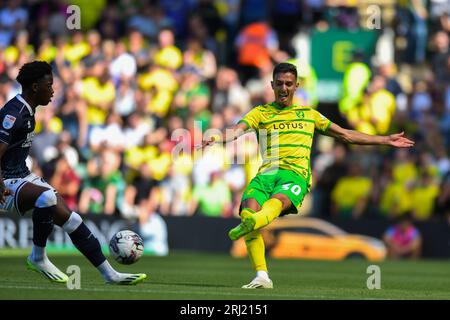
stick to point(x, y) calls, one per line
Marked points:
point(295, 189)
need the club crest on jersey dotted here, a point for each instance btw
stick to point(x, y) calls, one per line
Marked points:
point(8, 121)
point(300, 114)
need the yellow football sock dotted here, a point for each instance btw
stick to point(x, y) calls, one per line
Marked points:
point(256, 250)
point(255, 245)
point(270, 210)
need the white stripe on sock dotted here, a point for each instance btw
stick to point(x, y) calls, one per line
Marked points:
point(72, 223)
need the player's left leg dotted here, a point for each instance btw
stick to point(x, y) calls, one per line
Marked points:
point(256, 249)
point(89, 246)
point(48, 209)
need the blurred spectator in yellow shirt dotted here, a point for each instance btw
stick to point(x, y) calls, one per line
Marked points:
point(351, 192)
point(213, 199)
point(374, 114)
point(168, 55)
point(356, 78)
point(395, 199)
point(423, 196)
point(159, 85)
point(21, 46)
point(404, 169)
point(193, 96)
point(76, 49)
point(99, 93)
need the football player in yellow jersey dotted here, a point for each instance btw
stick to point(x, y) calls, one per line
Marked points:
point(285, 133)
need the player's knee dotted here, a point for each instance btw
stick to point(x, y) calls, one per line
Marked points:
point(46, 199)
point(250, 204)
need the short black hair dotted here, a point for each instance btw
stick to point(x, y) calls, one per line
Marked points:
point(31, 72)
point(285, 67)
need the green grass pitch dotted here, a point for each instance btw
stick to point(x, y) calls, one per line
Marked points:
point(204, 276)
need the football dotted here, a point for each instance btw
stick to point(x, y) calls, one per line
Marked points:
point(126, 247)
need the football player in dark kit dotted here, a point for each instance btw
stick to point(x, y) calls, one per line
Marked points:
point(22, 191)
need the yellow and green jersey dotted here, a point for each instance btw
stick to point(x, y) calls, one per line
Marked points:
point(285, 136)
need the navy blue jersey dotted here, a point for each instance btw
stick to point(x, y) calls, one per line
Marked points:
point(17, 130)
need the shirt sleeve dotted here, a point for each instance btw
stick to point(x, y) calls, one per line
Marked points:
point(252, 118)
point(9, 123)
point(321, 122)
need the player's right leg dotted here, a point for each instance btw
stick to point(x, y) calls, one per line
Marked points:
point(286, 196)
point(41, 200)
point(271, 209)
point(255, 195)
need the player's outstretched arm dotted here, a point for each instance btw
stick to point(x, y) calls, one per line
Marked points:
point(355, 137)
point(229, 134)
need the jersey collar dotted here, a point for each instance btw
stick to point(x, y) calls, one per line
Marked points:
point(277, 106)
point(21, 99)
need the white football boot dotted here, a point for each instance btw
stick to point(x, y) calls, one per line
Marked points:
point(127, 278)
point(259, 283)
point(48, 269)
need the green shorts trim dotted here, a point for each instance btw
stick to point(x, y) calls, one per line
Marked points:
point(264, 185)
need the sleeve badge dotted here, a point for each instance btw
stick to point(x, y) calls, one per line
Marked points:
point(8, 121)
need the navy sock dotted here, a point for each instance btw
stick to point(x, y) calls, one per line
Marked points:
point(42, 225)
point(87, 244)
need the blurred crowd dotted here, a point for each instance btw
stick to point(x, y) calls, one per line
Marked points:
point(140, 83)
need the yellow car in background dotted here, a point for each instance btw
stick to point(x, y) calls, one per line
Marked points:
point(311, 238)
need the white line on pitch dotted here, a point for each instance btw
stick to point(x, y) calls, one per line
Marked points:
point(159, 291)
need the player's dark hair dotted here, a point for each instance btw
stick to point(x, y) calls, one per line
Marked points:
point(33, 71)
point(285, 67)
